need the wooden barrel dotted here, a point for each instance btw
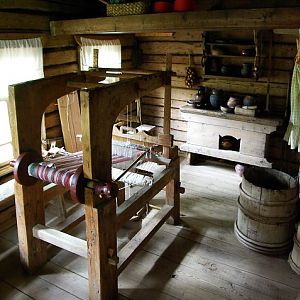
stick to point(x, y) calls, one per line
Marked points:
point(294, 258)
point(267, 209)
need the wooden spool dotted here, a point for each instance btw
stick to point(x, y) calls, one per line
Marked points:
point(267, 209)
point(294, 258)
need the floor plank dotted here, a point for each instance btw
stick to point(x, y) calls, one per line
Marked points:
point(200, 259)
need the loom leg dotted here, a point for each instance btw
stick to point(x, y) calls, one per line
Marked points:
point(102, 247)
point(173, 194)
point(121, 193)
point(29, 212)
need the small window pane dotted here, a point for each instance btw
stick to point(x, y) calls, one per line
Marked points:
point(5, 136)
point(6, 153)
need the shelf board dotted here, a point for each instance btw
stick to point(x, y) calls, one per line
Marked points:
point(211, 76)
point(264, 18)
point(231, 44)
point(241, 57)
point(265, 120)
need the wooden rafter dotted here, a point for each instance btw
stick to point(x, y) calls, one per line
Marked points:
point(266, 18)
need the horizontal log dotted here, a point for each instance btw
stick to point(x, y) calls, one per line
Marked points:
point(127, 64)
point(285, 38)
point(51, 7)
point(266, 18)
point(61, 41)
point(160, 102)
point(127, 53)
point(54, 132)
point(21, 22)
point(176, 59)
point(171, 47)
point(179, 136)
point(179, 36)
point(283, 64)
point(60, 69)
point(175, 124)
point(60, 57)
point(284, 50)
point(179, 69)
point(158, 111)
point(51, 108)
point(52, 119)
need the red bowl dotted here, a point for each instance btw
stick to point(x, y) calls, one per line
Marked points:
point(184, 5)
point(162, 6)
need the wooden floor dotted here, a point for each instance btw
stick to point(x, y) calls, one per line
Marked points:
point(199, 260)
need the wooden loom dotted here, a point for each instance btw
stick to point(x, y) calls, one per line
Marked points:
point(100, 106)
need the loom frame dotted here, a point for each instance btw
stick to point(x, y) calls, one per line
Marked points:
point(100, 106)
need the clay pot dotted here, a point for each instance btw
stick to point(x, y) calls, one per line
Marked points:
point(239, 169)
point(246, 70)
point(226, 70)
point(216, 98)
point(227, 143)
point(184, 5)
point(162, 6)
point(233, 102)
point(249, 101)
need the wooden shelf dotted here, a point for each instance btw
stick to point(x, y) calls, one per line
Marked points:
point(235, 78)
point(266, 120)
point(267, 18)
point(250, 58)
point(230, 44)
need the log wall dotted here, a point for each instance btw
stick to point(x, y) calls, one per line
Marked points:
point(275, 80)
point(30, 18)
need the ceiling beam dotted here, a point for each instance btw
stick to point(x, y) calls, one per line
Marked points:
point(265, 18)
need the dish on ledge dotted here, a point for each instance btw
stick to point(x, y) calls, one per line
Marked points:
point(226, 109)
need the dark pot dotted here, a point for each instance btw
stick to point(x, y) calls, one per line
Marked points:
point(246, 70)
point(225, 70)
point(216, 98)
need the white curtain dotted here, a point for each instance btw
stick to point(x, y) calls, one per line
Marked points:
point(20, 60)
point(109, 55)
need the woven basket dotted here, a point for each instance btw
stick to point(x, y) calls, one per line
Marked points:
point(134, 8)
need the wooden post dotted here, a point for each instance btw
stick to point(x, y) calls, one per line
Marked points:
point(173, 188)
point(26, 107)
point(167, 102)
point(102, 247)
point(100, 214)
point(29, 212)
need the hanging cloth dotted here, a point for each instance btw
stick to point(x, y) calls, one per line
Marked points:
point(109, 54)
point(292, 135)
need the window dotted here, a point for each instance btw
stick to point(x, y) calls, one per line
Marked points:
point(20, 60)
point(109, 54)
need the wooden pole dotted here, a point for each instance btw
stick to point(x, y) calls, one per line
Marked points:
point(102, 247)
point(167, 96)
point(167, 102)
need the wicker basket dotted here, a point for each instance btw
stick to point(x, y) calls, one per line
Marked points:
point(124, 9)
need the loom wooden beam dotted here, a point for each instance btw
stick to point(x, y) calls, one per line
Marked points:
point(143, 196)
point(142, 237)
point(264, 18)
point(60, 239)
point(102, 246)
point(31, 99)
point(27, 103)
point(173, 192)
point(101, 115)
